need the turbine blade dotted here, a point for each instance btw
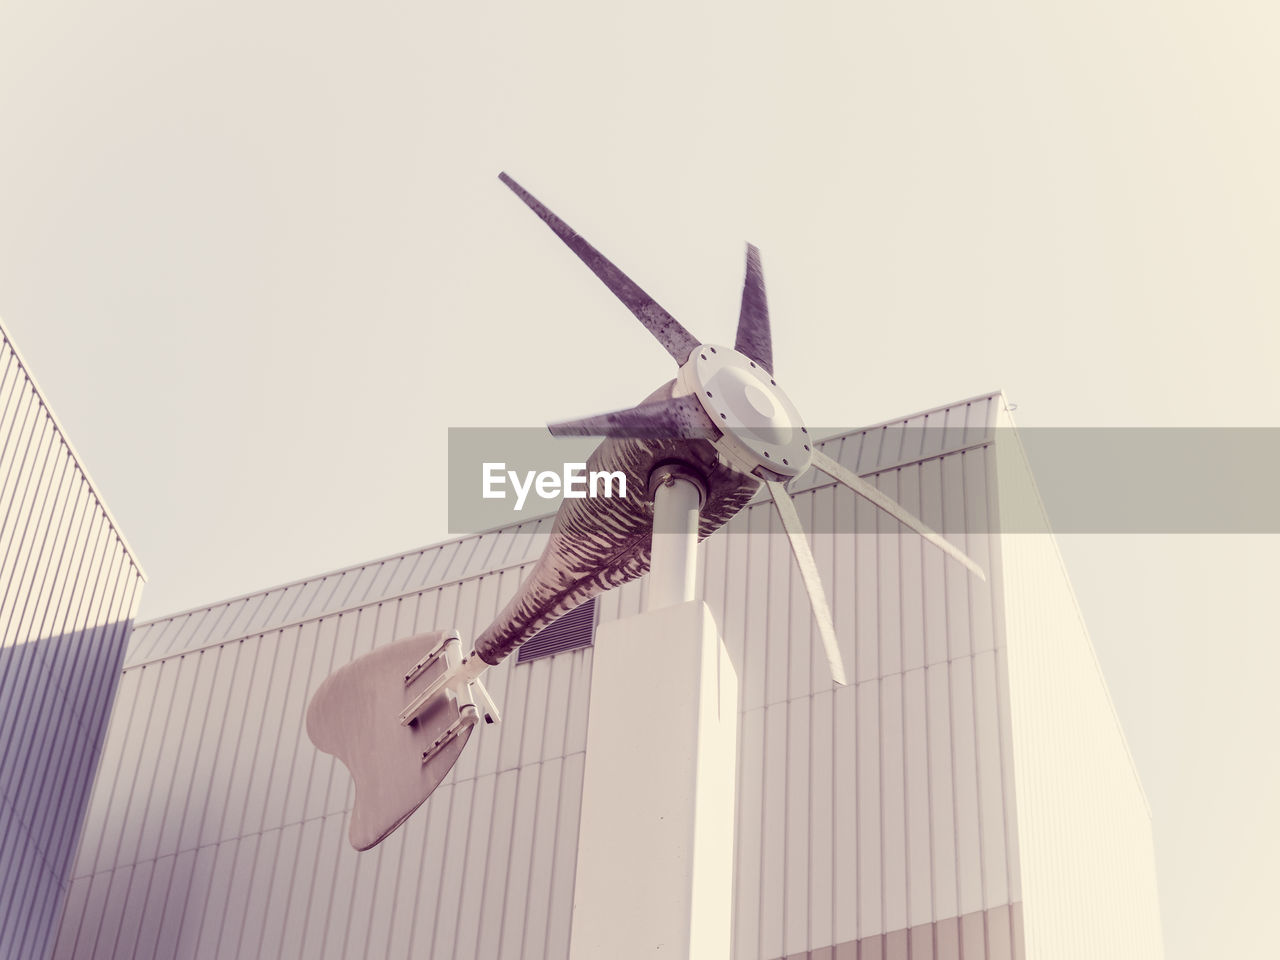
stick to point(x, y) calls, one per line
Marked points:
point(890, 506)
point(809, 574)
point(754, 339)
point(675, 418)
point(669, 332)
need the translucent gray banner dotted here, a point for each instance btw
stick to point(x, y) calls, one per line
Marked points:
point(1088, 480)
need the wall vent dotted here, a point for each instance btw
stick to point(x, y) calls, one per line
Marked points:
point(573, 630)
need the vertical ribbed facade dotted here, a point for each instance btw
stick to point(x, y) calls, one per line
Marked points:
point(69, 588)
point(881, 819)
point(217, 830)
point(875, 818)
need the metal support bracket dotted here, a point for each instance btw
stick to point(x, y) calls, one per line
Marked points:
point(488, 709)
point(466, 718)
point(459, 678)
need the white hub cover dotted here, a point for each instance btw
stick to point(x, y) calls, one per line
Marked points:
point(761, 425)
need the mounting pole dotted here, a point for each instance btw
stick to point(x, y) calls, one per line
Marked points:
point(673, 568)
point(656, 828)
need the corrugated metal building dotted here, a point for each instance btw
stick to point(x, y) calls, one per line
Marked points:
point(69, 589)
point(969, 794)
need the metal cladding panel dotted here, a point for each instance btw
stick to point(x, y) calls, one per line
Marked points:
point(342, 590)
point(221, 831)
point(884, 808)
point(69, 588)
point(1087, 860)
point(873, 817)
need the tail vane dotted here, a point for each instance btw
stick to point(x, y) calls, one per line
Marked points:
point(395, 766)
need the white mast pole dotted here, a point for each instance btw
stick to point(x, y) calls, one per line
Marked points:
point(655, 841)
point(673, 569)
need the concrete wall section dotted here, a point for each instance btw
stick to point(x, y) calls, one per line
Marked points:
point(1087, 862)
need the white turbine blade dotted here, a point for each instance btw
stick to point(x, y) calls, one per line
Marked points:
point(809, 574)
point(892, 507)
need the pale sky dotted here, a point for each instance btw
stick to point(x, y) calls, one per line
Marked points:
point(259, 260)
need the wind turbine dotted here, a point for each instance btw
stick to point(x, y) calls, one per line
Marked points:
point(723, 427)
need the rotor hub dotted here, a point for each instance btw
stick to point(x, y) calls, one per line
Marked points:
point(761, 427)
